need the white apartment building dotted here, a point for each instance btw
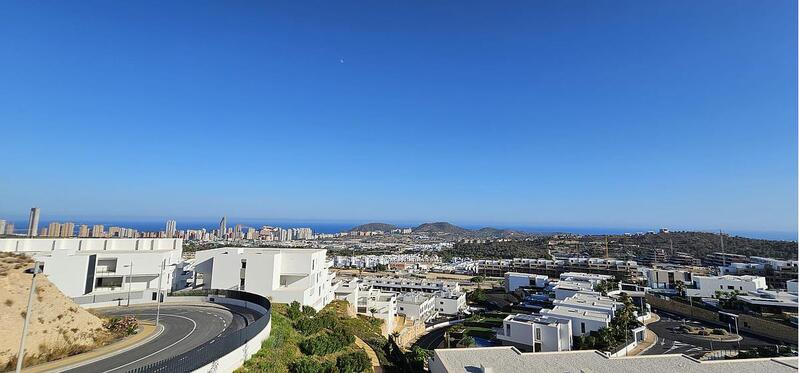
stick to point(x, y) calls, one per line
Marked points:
point(450, 302)
point(706, 286)
point(666, 279)
point(792, 286)
point(380, 304)
point(411, 284)
point(536, 333)
point(516, 280)
point(565, 289)
point(417, 306)
point(283, 275)
point(591, 278)
point(104, 271)
point(583, 321)
point(591, 302)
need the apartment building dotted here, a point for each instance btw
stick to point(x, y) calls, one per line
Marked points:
point(283, 275)
point(450, 302)
point(566, 289)
point(508, 359)
point(536, 333)
point(516, 280)
point(706, 286)
point(591, 302)
point(102, 272)
point(417, 306)
point(666, 279)
point(583, 321)
point(625, 270)
point(380, 304)
point(402, 285)
point(776, 271)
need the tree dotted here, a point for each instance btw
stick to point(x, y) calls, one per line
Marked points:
point(680, 287)
point(477, 296)
point(478, 280)
point(468, 341)
point(417, 358)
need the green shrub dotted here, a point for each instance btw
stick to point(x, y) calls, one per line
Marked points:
point(354, 362)
point(294, 311)
point(327, 343)
point(309, 365)
point(313, 325)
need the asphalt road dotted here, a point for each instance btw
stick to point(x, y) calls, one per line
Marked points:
point(672, 342)
point(433, 339)
point(185, 328)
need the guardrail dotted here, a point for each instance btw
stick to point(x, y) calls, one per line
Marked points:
point(220, 347)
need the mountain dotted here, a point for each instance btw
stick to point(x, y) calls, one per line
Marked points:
point(441, 227)
point(371, 227)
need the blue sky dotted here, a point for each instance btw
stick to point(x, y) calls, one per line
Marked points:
point(556, 113)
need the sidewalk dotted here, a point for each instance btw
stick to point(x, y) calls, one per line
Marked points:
point(649, 339)
point(147, 330)
point(371, 353)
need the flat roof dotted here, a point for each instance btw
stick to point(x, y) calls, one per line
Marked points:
point(511, 360)
point(566, 311)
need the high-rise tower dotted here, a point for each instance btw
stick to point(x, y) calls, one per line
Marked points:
point(171, 228)
point(223, 226)
point(33, 222)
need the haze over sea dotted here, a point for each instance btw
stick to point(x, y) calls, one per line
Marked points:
point(326, 226)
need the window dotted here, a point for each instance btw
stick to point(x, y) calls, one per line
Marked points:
point(244, 263)
point(730, 287)
point(241, 284)
point(582, 327)
point(507, 330)
point(537, 334)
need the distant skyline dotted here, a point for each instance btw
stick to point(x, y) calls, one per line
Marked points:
point(679, 114)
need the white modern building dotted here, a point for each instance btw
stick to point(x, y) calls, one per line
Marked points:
point(411, 284)
point(591, 302)
point(104, 271)
point(565, 289)
point(380, 304)
point(536, 333)
point(283, 275)
point(416, 306)
point(591, 278)
point(666, 279)
point(706, 286)
point(450, 302)
point(516, 280)
point(508, 359)
point(583, 321)
point(792, 286)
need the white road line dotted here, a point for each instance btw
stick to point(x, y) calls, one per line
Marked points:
point(193, 328)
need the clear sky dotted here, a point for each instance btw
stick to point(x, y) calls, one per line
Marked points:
point(553, 113)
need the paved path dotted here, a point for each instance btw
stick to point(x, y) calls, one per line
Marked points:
point(650, 337)
point(369, 352)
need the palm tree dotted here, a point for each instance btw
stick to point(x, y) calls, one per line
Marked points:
point(478, 280)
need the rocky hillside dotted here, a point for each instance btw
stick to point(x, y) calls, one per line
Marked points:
point(58, 326)
point(371, 227)
point(440, 227)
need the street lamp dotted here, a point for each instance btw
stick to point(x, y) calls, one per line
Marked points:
point(130, 280)
point(158, 297)
point(37, 268)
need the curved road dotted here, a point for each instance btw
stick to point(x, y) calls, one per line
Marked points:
point(185, 328)
point(672, 342)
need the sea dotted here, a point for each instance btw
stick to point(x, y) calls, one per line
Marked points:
point(342, 226)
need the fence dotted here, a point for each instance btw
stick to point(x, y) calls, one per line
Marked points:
point(217, 348)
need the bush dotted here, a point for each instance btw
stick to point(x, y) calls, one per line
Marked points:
point(309, 365)
point(719, 332)
point(122, 326)
point(354, 362)
point(313, 325)
point(294, 310)
point(327, 343)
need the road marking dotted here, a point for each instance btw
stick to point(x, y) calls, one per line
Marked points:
point(193, 328)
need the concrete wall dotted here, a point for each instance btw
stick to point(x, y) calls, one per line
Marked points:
point(746, 323)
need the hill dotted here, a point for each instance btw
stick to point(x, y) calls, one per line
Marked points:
point(441, 227)
point(58, 327)
point(371, 227)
